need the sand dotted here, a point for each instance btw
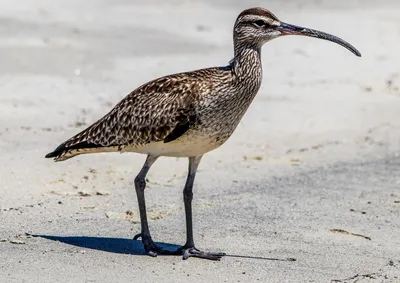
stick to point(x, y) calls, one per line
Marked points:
point(306, 190)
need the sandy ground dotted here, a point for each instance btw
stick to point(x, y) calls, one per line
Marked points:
point(306, 190)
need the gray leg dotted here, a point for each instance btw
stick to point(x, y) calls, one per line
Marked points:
point(140, 184)
point(189, 249)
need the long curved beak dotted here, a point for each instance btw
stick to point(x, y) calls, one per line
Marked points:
point(287, 29)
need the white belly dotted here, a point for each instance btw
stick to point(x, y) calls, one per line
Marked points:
point(190, 144)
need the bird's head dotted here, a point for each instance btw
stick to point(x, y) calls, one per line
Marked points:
point(256, 26)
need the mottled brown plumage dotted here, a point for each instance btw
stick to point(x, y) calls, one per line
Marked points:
point(167, 109)
point(187, 114)
point(161, 110)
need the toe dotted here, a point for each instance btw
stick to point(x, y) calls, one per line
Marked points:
point(152, 254)
point(218, 254)
point(153, 250)
point(193, 252)
point(137, 236)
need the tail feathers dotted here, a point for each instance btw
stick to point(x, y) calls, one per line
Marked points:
point(63, 152)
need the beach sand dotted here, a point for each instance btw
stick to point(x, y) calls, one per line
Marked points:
point(306, 190)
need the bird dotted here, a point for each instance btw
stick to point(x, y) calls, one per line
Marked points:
point(187, 115)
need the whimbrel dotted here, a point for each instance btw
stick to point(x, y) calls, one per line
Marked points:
point(187, 115)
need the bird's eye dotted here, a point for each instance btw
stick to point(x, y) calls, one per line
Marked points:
point(260, 23)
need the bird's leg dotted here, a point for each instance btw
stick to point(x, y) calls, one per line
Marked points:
point(189, 250)
point(140, 184)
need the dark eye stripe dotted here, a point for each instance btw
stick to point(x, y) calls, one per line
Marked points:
point(260, 23)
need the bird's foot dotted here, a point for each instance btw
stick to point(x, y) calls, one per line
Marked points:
point(194, 252)
point(150, 247)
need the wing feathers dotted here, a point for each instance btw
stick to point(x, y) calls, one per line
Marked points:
point(162, 110)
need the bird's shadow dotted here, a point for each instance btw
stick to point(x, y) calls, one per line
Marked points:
point(127, 246)
point(113, 245)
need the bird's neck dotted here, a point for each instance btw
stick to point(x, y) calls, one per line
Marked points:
point(247, 60)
